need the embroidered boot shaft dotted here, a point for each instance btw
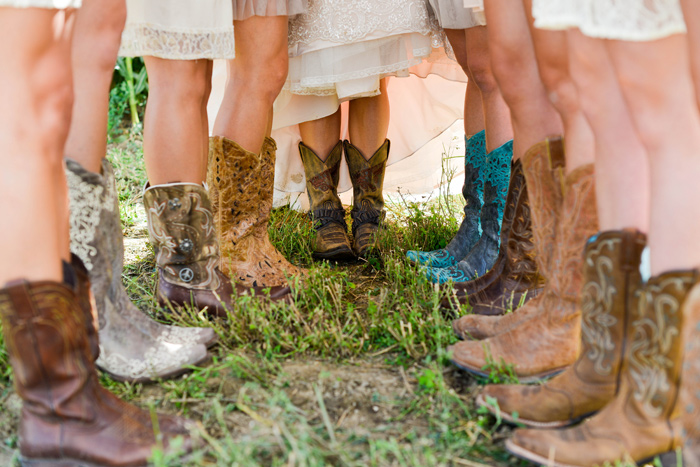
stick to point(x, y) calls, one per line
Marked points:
point(326, 210)
point(133, 347)
point(473, 192)
point(636, 425)
point(368, 199)
point(67, 417)
point(241, 187)
point(543, 167)
point(483, 255)
point(612, 280)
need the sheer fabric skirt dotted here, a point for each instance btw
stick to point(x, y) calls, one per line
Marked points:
point(49, 4)
point(243, 9)
point(452, 14)
point(179, 29)
point(629, 20)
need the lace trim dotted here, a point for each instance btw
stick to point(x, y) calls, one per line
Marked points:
point(148, 40)
point(51, 4)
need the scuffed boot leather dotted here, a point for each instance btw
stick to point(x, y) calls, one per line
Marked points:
point(132, 349)
point(637, 424)
point(326, 210)
point(241, 187)
point(181, 227)
point(67, 418)
point(612, 280)
point(368, 198)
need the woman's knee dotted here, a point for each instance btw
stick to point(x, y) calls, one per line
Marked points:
point(180, 80)
point(480, 70)
point(98, 31)
point(261, 76)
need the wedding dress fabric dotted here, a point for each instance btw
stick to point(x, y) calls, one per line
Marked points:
point(628, 20)
point(452, 14)
point(179, 29)
point(243, 9)
point(50, 4)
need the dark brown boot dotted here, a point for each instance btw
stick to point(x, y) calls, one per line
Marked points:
point(325, 208)
point(181, 227)
point(368, 199)
point(67, 417)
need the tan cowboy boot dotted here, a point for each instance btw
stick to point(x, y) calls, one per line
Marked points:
point(368, 199)
point(549, 342)
point(326, 210)
point(241, 188)
point(612, 281)
point(542, 167)
point(67, 418)
point(181, 227)
point(638, 424)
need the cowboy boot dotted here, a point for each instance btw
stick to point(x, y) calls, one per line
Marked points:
point(67, 418)
point(326, 210)
point(637, 424)
point(543, 166)
point(473, 192)
point(129, 351)
point(483, 256)
point(612, 279)
point(241, 186)
point(368, 199)
point(548, 342)
point(181, 228)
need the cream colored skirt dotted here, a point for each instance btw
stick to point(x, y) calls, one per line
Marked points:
point(628, 20)
point(243, 9)
point(452, 14)
point(50, 4)
point(179, 29)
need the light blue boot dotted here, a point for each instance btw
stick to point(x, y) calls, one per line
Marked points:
point(482, 257)
point(473, 192)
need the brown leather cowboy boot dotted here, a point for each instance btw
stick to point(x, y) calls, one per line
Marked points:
point(549, 342)
point(181, 227)
point(638, 424)
point(612, 281)
point(542, 167)
point(241, 187)
point(67, 418)
point(325, 207)
point(368, 199)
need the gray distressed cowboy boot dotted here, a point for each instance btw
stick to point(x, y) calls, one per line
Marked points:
point(326, 210)
point(132, 346)
point(368, 199)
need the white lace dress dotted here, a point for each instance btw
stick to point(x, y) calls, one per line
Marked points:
point(452, 14)
point(179, 29)
point(629, 20)
point(243, 9)
point(50, 4)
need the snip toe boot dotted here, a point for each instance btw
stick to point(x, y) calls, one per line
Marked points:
point(473, 192)
point(133, 346)
point(181, 228)
point(483, 255)
point(326, 210)
point(368, 199)
point(67, 418)
point(241, 186)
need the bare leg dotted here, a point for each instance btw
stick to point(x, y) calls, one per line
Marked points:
point(621, 165)
point(255, 78)
point(499, 129)
point(98, 31)
point(36, 91)
point(473, 109)
point(175, 139)
point(368, 121)
point(691, 10)
point(322, 135)
point(553, 62)
point(515, 67)
point(659, 92)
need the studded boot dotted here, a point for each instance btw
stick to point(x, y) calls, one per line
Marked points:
point(368, 199)
point(326, 210)
point(241, 187)
point(133, 347)
point(473, 192)
point(181, 227)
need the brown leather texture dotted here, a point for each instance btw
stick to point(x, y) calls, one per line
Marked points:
point(326, 210)
point(368, 198)
point(612, 280)
point(66, 414)
point(636, 425)
point(548, 342)
point(241, 186)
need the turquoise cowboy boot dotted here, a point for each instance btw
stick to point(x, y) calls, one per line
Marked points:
point(482, 257)
point(473, 192)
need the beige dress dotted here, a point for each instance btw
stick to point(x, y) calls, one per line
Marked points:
point(50, 4)
point(243, 9)
point(452, 14)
